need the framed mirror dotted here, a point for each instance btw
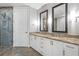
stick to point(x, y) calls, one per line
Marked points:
point(44, 21)
point(59, 13)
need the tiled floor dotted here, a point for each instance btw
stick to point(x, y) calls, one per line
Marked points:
point(19, 51)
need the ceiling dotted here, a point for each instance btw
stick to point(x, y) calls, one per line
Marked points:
point(33, 5)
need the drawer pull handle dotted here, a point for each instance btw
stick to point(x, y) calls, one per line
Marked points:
point(69, 47)
point(63, 52)
point(41, 47)
point(51, 42)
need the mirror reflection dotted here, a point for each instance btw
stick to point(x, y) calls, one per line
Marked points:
point(44, 21)
point(59, 18)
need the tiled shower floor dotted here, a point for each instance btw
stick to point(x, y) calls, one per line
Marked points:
point(19, 51)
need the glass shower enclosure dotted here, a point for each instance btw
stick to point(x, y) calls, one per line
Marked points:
point(6, 27)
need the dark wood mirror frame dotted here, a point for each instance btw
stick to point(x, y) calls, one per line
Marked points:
point(46, 20)
point(65, 17)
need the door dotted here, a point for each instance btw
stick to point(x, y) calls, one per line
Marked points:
point(6, 27)
point(20, 27)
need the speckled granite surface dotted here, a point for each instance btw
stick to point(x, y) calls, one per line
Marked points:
point(73, 39)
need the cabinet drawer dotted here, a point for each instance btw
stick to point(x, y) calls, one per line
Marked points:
point(70, 46)
point(71, 50)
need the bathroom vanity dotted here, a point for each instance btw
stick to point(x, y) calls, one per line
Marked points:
point(58, 42)
point(55, 44)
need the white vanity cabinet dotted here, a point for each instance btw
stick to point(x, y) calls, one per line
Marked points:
point(70, 50)
point(33, 41)
point(56, 48)
point(45, 46)
point(38, 43)
point(52, 47)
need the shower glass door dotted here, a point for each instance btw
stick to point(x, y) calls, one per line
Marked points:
point(6, 27)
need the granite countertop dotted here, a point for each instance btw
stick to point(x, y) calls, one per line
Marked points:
point(64, 37)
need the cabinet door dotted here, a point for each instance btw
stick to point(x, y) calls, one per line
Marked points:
point(38, 43)
point(33, 41)
point(45, 46)
point(56, 48)
point(70, 50)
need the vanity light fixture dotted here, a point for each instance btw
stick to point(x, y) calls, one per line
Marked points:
point(72, 15)
point(77, 18)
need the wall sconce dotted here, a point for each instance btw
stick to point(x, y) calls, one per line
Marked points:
point(50, 20)
point(77, 18)
point(36, 23)
point(73, 15)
